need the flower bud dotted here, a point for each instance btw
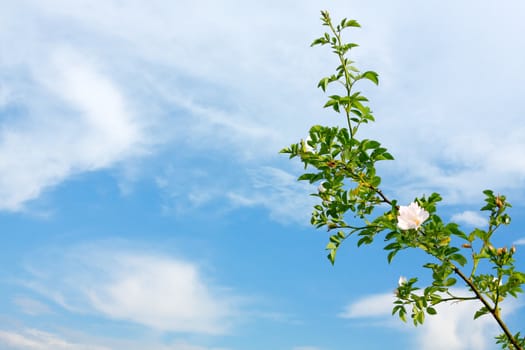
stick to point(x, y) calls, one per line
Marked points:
point(331, 164)
point(499, 202)
point(466, 245)
point(306, 148)
point(513, 249)
point(321, 188)
point(402, 280)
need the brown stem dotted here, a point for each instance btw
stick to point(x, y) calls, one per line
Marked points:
point(380, 193)
point(455, 299)
point(493, 310)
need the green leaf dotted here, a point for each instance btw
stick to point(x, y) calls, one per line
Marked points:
point(420, 318)
point(320, 41)
point(391, 255)
point(307, 176)
point(350, 23)
point(331, 256)
point(334, 102)
point(396, 309)
point(453, 228)
point(372, 76)
point(450, 282)
point(480, 234)
point(460, 259)
point(489, 193)
point(431, 311)
point(331, 246)
point(369, 144)
point(323, 83)
point(403, 315)
point(365, 240)
point(385, 156)
point(330, 102)
point(481, 312)
point(393, 245)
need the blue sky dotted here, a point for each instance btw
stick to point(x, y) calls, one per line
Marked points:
point(143, 201)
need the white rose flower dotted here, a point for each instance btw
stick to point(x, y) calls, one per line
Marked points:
point(411, 216)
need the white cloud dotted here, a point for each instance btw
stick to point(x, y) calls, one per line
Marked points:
point(520, 241)
point(279, 192)
point(31, 306)
point(462, 332)
point(33, 339)
point(220, 89)
point(92, 129)
point(4, 96)
point(152, 290)
point(224, 131)
point(187, 346)
point(275, 190)
point(470, 218)
point(377, 305)
point(36, 339)
point(452, 328)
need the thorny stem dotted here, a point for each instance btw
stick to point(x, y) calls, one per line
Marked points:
point(493, 310)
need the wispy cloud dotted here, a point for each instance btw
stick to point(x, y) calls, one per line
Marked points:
point(377, 305)
point(286, 199)
point(33, 339)
point(470, 218)
point(520, 241)
point(153, 290)
point(277, 191)
point(221, 89)
point(89, 128)
point(31, 306)
point(37, 339)
point(4, 96)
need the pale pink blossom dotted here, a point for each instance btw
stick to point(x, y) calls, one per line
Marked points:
point(411, 216)
point(306, 147)
point(402, 280)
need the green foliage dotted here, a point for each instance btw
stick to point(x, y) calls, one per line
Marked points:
point(351, 203)
point(507, 344)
